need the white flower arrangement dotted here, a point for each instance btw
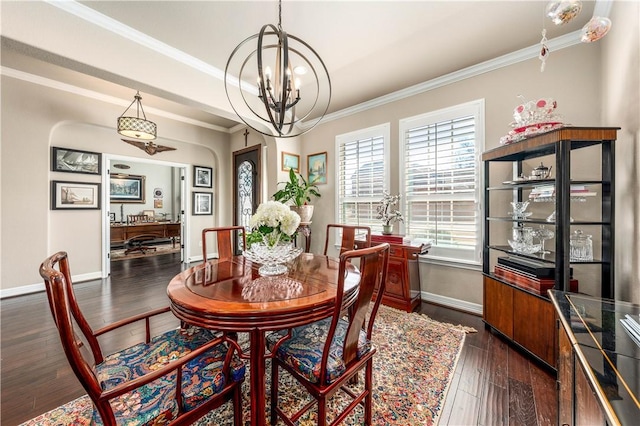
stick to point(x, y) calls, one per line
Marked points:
point(385, 211)
point(273, 222)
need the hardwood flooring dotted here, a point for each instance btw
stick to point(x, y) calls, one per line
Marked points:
point(493, 384)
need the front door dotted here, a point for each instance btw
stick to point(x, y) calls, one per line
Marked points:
point(246, 186)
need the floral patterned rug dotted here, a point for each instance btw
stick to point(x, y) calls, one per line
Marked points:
point(413, 369)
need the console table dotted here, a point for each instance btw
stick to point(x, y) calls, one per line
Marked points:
point(598, 363)
point(402, 288)
point(123, 233)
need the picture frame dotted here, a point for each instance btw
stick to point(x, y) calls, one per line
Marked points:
point(202, 203)
point(202, 177)
point(75, 195)
point(127, 188)
point(317, 168)
point(290, 161)
point(112, 217)
point(151, 214)
point(75, 161)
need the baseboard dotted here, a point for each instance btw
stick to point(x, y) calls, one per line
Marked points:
point(35, 288)
point(450, 302)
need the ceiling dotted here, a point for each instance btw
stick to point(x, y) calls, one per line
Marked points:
point(175, 52)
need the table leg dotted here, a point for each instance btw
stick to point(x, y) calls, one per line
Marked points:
point(257, 369)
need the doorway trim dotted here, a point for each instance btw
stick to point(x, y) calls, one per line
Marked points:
point(106, 222)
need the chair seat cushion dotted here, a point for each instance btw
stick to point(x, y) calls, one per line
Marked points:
point(303, 351)
point(202, 377)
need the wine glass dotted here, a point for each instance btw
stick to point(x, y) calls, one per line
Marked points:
point(543, 234)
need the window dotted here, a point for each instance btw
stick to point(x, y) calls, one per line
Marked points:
point(440, 180)
point(363, 174)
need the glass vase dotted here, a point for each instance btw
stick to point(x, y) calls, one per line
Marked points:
point(272, 257)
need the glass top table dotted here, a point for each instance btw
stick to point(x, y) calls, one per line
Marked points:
point(595, 330)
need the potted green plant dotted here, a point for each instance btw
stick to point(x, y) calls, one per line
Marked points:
point(299, 192)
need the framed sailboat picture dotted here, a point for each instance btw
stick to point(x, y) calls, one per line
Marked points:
point(74, 161)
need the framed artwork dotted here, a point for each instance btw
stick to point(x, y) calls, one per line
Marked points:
point(290, 161)
point(74, 161)
point(151, 214)
point(202, 176)
point(75, 195)
point(317, 167)
point(112, 217)
point(202, 203)
point(126, 188)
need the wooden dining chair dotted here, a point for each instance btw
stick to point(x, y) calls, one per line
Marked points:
point(173, 378)
point(226, 238)
point(351, 237)
point(325, 355)
point(137, 218)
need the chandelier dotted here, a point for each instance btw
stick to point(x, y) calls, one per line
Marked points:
point(136, 127)
point(280, 63)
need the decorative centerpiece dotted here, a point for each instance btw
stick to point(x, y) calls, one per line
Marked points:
point(532, 118)
point(270, 241)
point(387, 213)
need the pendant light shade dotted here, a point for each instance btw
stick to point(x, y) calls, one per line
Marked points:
point(293, 87)
point(136, 127)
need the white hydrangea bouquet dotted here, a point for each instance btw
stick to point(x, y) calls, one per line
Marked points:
point(273, 223)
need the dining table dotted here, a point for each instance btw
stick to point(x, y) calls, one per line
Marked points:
point(230, 295)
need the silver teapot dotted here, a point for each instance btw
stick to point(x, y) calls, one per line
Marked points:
point(541, 172)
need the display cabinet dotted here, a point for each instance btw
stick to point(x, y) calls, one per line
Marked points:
point(512, 306)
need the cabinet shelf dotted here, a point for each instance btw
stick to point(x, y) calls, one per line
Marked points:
point(544, 221)
point(547, 257)
point(530, 184)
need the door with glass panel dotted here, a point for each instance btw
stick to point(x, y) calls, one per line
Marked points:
point(246, 187)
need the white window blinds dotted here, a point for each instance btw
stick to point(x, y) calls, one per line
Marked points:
point(441, 181)
point(362, 175)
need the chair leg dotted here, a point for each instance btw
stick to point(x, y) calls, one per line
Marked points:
point(274, 390)
point(322, 410)
point(368, 386)
point(237, 405)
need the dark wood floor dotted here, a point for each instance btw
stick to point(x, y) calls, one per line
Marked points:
point(493, 384)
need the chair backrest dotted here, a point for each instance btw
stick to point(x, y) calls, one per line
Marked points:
point(373, 263)
point(353, 237)
point(136, 218)
point(226, 238)
point(73, 328)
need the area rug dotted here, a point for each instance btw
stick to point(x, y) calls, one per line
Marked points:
point(160, 249)
point(413, 369)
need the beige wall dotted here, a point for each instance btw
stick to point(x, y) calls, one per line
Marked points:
point(572, 77)
point(34, 118)
point(621, 107)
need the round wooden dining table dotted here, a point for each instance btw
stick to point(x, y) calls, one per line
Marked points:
point(229, 295)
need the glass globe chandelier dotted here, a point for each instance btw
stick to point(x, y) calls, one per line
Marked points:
point(279, 63)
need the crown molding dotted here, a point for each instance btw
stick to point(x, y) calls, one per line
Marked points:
point(509, 59)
